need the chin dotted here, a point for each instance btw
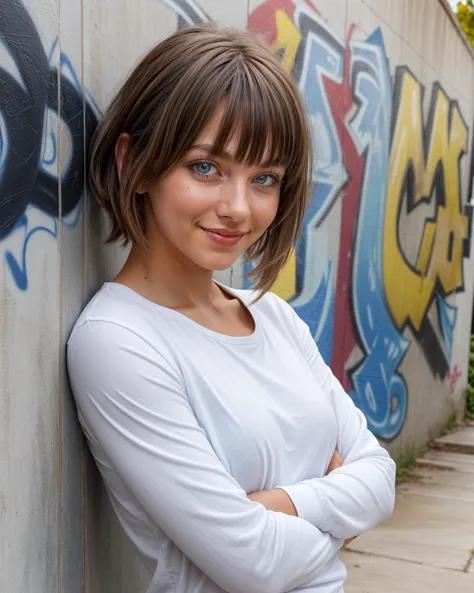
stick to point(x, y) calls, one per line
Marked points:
point(223, 267)
point(218, 263)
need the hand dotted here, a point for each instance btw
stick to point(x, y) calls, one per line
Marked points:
point(348, 541)
point(336, 461)
point(276, 500)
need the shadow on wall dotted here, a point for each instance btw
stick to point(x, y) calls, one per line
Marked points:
point(403, 227)
point(30, 77)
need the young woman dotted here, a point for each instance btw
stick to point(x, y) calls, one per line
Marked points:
point(216, 425)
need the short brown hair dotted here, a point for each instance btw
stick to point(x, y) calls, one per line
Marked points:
point(169, 98)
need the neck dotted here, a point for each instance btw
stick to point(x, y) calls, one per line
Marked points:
point(168, 278)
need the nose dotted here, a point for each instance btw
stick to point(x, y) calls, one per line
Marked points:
point(234, 200)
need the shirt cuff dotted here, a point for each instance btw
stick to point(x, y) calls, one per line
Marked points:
point(309, 501)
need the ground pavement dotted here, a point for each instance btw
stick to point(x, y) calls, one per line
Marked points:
point(427, 546)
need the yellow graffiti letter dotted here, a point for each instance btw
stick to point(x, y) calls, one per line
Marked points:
point(429, 175)
point(288, 39)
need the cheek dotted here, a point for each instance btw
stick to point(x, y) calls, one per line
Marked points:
point(179, 199)
point(264, 211)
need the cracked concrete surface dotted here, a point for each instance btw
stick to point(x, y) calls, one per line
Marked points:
point(427, 546)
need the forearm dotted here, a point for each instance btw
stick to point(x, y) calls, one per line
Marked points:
point(350, 500)
point(361, 493)
point(278, 501)
point(359, 496)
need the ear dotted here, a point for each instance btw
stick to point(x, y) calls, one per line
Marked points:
point(122, 147)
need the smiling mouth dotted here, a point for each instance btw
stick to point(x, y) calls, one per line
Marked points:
point(223, 236)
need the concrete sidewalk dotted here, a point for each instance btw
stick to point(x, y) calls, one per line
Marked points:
point(428, 544)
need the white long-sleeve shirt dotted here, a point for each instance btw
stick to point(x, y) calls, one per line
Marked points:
point(184, 422)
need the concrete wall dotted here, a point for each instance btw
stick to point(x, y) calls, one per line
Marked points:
point(382, 274)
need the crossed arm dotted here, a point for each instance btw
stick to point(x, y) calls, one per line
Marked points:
point(137, 416)
point(135, 411)
point(358, 491)
point(278, 501)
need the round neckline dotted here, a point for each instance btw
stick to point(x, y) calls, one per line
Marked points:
point(250, 339)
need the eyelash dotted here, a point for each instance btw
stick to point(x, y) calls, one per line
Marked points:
point(276, 179)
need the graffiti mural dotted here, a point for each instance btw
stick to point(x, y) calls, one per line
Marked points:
point(38, 93)
point(424, 169)
point(404, 231)
point(391, 174)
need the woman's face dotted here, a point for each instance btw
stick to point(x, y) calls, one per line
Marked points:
point(212, 209)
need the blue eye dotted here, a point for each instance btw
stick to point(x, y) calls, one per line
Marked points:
point(204, 168)
point(265, 180)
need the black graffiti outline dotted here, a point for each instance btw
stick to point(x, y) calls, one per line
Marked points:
point(23, 111)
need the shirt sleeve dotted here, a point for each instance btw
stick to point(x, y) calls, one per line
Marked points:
point(361, 494)
point(133, 404)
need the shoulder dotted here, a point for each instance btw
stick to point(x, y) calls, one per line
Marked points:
point(118, 318)
point(112, 303)
point(273, 310)
point(277, 309)
point(282, 314)
point(117, 341)
point(110, 316)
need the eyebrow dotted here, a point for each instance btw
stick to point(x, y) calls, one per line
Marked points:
point(226, 155)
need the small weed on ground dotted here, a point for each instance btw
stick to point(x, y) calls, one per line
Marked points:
point(470, 402)
point(405, 464)
point(452, 421)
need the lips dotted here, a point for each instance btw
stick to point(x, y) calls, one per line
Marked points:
point(224, 237)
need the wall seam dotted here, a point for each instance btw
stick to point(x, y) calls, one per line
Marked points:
point(84, 584)
point(380, 17)
point(60, 375)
